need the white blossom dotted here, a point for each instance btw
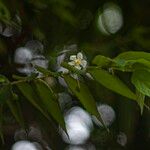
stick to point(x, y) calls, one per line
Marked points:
point(78, 61)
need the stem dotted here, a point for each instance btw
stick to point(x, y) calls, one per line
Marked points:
point(147, 106)
point(26, 80)
point(47, 72)
point(17, 82)
point(40, 69)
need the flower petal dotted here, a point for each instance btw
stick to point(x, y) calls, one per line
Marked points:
point(73, 57)
point(72, 63)
point(80, 55)
point(83, 63)
point(78, 67)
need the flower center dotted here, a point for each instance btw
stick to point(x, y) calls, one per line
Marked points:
point(77, 61)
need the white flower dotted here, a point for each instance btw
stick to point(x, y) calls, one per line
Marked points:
point(78, 61)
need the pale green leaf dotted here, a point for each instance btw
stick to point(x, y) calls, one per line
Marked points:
point(141, 80)
point(138, 64)
point(133, 55)
point(112, 82)
point(101, 61)
point(140, 100)
point(131, 65)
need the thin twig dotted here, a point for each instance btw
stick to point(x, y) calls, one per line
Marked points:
point(147, 106)
point(19, 81)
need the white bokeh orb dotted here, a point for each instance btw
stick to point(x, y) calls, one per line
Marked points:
point(110, 20)
point(122, 139)
point(23, 145)
point(35, 45)
point(107, 113)
point(40, 60)
point(22, 55)
point(78, 124)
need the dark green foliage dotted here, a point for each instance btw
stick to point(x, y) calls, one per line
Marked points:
point(83, 94)
point(112, 82)
point(119, 65)
point(50, 102)
point(140, 79)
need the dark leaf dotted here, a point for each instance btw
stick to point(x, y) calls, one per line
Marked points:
point(83, 94)
point(50, 102)
point(31, 96)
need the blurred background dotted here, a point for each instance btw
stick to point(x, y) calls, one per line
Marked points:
point(46, 32)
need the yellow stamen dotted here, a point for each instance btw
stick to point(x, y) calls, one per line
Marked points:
point(77, 61)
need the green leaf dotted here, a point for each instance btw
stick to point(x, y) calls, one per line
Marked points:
point(141, 80)
point(2, 136)
point(4, 12)
point(1, 127)
point(111, 82)
point(133, 55)
point(28, 92)
point(4, 93)
point(46, 72)
point(3, 79)
point(140, 100)
point(65, 15)
point(131, 60)
point(50, 102)
point(5, 89)
point(140, 64)
point(83, 94)
point(18, 77)
point(102, 61)
point(31, 77)
point(13, 106)
point(131, 65)
point(38, 33)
